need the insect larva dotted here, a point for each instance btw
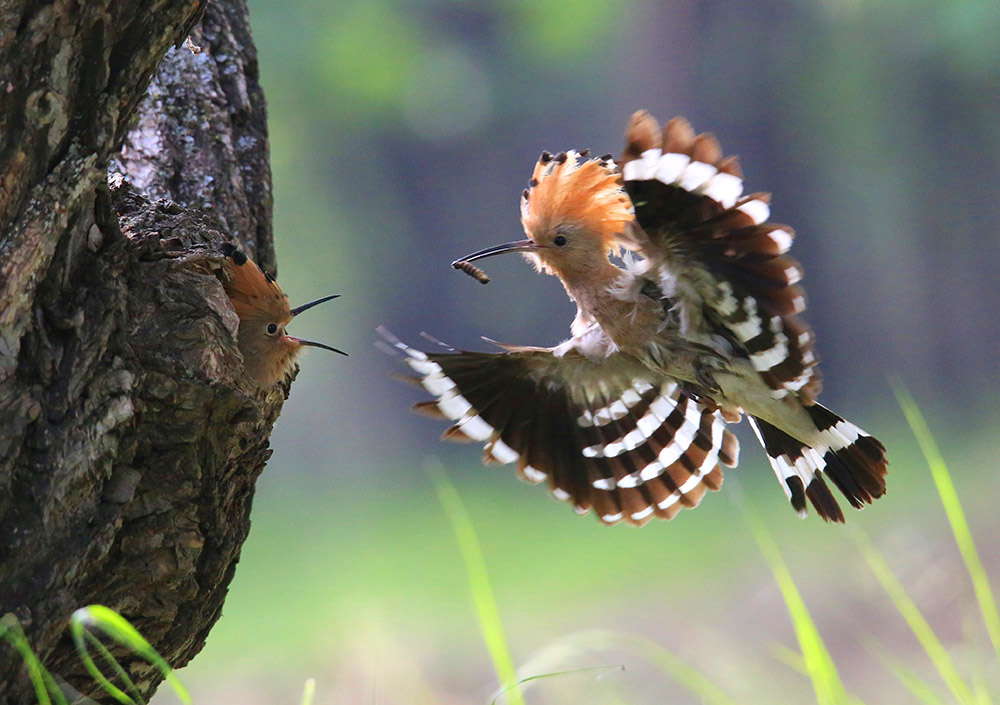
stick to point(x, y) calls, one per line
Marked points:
point(472, 270)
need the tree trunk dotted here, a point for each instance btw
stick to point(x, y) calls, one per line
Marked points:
point(129, 438)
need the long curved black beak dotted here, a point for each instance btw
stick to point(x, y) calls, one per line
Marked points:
point(314, 344)
point(517, 246)
point(305, 307)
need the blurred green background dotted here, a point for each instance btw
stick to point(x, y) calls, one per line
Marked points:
point(402, 134)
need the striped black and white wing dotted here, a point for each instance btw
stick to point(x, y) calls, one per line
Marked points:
point(604, 433)
point(714, 250)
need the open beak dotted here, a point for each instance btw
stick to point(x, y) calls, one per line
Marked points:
point(312, 343)
point(517, 246)
point(305, 307)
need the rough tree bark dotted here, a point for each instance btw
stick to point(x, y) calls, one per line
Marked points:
point(129, 440)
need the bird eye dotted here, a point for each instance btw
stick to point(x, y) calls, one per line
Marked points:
point(272, 328)
point(559, 240)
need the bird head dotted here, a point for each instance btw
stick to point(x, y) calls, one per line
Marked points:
point(268, 352)
point(572, 212)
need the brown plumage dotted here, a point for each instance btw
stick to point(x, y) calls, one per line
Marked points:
point(701, 325)
point(268, 353)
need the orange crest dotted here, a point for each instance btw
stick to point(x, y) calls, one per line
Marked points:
point(254, 293)
point(566, 190)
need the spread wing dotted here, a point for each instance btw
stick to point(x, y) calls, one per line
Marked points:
point(715, 250)
point(604, 432)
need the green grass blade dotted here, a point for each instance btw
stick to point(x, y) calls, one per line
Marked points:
point(118, 628)
point(983, 696)
point(818, 662)
point(918, 625)
point(80, 639)
point(109, 659)
point(981, 689)
point(921, 690)
point(790, 657)
point(688, 677)
point(308, 692)
point(13, 634)
point(662, 658)
point(479, 584)
point(552, 674)
point(955, 513)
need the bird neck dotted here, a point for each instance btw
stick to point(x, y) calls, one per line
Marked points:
point(589, 286)
point(605, 295)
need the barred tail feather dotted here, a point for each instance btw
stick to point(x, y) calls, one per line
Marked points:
point(854, 461)
point(799, 469)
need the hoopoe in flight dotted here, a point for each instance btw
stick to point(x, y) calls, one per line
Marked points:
point(268, 353)
point(700, 326)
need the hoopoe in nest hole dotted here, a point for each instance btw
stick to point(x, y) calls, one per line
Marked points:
point(700, 326)
point(268, 352)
